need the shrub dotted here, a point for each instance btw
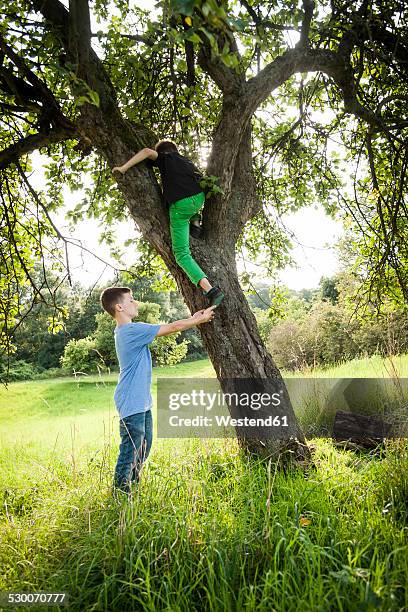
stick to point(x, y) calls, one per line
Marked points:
point(19, 370)
point(81, 356)
point(166, 351)
point(52, 373)
point(323, 337)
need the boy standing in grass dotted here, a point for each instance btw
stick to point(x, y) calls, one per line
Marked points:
point(182, 192)
point(132, 395)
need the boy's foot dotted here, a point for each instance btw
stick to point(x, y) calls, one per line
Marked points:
point(196, 230)
point(215, 296)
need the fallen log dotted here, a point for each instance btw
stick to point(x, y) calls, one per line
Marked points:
point(360, 429)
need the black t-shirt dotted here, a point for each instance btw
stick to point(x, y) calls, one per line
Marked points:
point(179, 176)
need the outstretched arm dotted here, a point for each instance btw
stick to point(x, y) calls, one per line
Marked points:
point(136, 159)
point(202, 316)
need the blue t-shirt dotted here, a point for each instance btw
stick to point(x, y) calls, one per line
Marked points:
point(132, 394)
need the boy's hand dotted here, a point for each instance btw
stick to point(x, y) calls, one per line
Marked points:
point(203, 316)
point(118, 169)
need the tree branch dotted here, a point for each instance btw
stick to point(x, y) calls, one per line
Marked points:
point(41, 91)
point(225, 78)
point(58, 17)
point(228, 79)
point(115, 138)
point(265, 23)
point(332, 63)
point(79, 37)
point(33, 142)
point(136, 37)
point(308, 7)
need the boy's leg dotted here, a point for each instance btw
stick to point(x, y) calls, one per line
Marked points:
point(180, 215)
point(148, 432)
point(145, 448)
point(196, 229)
point(132, 433)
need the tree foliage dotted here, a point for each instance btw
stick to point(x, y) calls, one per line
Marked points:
point(328, 330)
point(350, 87)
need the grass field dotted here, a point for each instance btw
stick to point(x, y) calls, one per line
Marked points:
point(208, 529)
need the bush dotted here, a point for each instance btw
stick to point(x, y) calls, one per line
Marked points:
point(264, 321)
point(166, 351)
point(195, 349)
point(52, 373)
point(104, 339)
point(81, 356)
point(19, 370)
point(287, 346)
point(329, 333)
point(323, 337)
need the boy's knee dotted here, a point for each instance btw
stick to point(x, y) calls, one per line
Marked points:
point(182, 257)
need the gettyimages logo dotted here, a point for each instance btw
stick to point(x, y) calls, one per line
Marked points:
point(208, 400)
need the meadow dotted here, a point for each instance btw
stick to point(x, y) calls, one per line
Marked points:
point(208, 528)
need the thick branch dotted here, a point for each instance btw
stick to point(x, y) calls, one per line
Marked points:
point(222, 76)
point(79, 36)
point(33, 142)
point(308, 7)
point(58, 17)
point(331, 63)
point(35, 89)
point(228, 79)
point(238, 111)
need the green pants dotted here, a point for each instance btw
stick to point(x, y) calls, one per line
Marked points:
point(180, 215)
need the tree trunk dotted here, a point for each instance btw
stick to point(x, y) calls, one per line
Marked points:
point(232, 340)
point(237, 353)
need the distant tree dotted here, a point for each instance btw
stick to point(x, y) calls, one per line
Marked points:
point(83, 305)
point(259, 296)
point(328, 289)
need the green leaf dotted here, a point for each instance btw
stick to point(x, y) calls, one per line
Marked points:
point(194, 38)
point(184, 7)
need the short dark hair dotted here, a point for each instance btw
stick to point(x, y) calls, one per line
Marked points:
point(112, 296)
point(166, 146)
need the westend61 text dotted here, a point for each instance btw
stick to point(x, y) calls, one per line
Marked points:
point(227, 421)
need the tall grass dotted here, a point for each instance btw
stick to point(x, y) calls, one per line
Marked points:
point(207, 529)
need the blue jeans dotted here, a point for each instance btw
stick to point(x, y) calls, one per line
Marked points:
point(136, 433)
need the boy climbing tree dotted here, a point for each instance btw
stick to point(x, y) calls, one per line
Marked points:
point(185, 198)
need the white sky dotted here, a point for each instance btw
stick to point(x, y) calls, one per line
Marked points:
point(313, 252)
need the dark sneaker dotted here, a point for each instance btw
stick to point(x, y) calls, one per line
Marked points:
point(215, 296)
point(196, 230)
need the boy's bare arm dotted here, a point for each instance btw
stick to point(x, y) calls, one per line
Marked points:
point(136, 159)
point(202, 316)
